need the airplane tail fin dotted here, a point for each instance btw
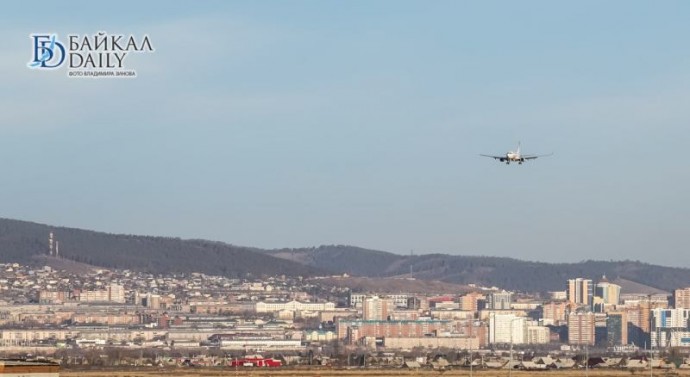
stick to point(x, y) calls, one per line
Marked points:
point(518, 149)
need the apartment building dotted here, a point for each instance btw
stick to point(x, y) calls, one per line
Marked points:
point(352, 330)
point(581, 328)
point(580, 291)
point(682, 298)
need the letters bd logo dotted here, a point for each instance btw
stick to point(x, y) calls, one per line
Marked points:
point(48, 52)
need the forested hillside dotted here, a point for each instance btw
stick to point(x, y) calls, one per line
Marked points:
point(20, 240)
point(507, 273)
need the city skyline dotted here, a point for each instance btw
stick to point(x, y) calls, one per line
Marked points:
point(302, 124)
point(163, 308)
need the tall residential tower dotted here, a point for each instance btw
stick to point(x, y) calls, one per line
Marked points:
point(580, 291)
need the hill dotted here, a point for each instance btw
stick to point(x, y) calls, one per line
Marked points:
point(342, 259)
point(507, 273)
point(27, 243)
point(628, 286)
point(22, 242)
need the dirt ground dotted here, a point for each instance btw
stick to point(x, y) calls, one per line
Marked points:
point(285, 372)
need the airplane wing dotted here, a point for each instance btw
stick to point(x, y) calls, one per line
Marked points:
point(494, 157)
point(532, 157)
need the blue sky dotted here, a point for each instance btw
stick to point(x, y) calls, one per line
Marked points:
point(300, 123)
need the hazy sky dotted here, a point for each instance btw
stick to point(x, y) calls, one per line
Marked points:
point(300, 123)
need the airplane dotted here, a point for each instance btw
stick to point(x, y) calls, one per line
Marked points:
point(515, 156)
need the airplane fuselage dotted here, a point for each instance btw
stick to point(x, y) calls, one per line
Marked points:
point(512, 157)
